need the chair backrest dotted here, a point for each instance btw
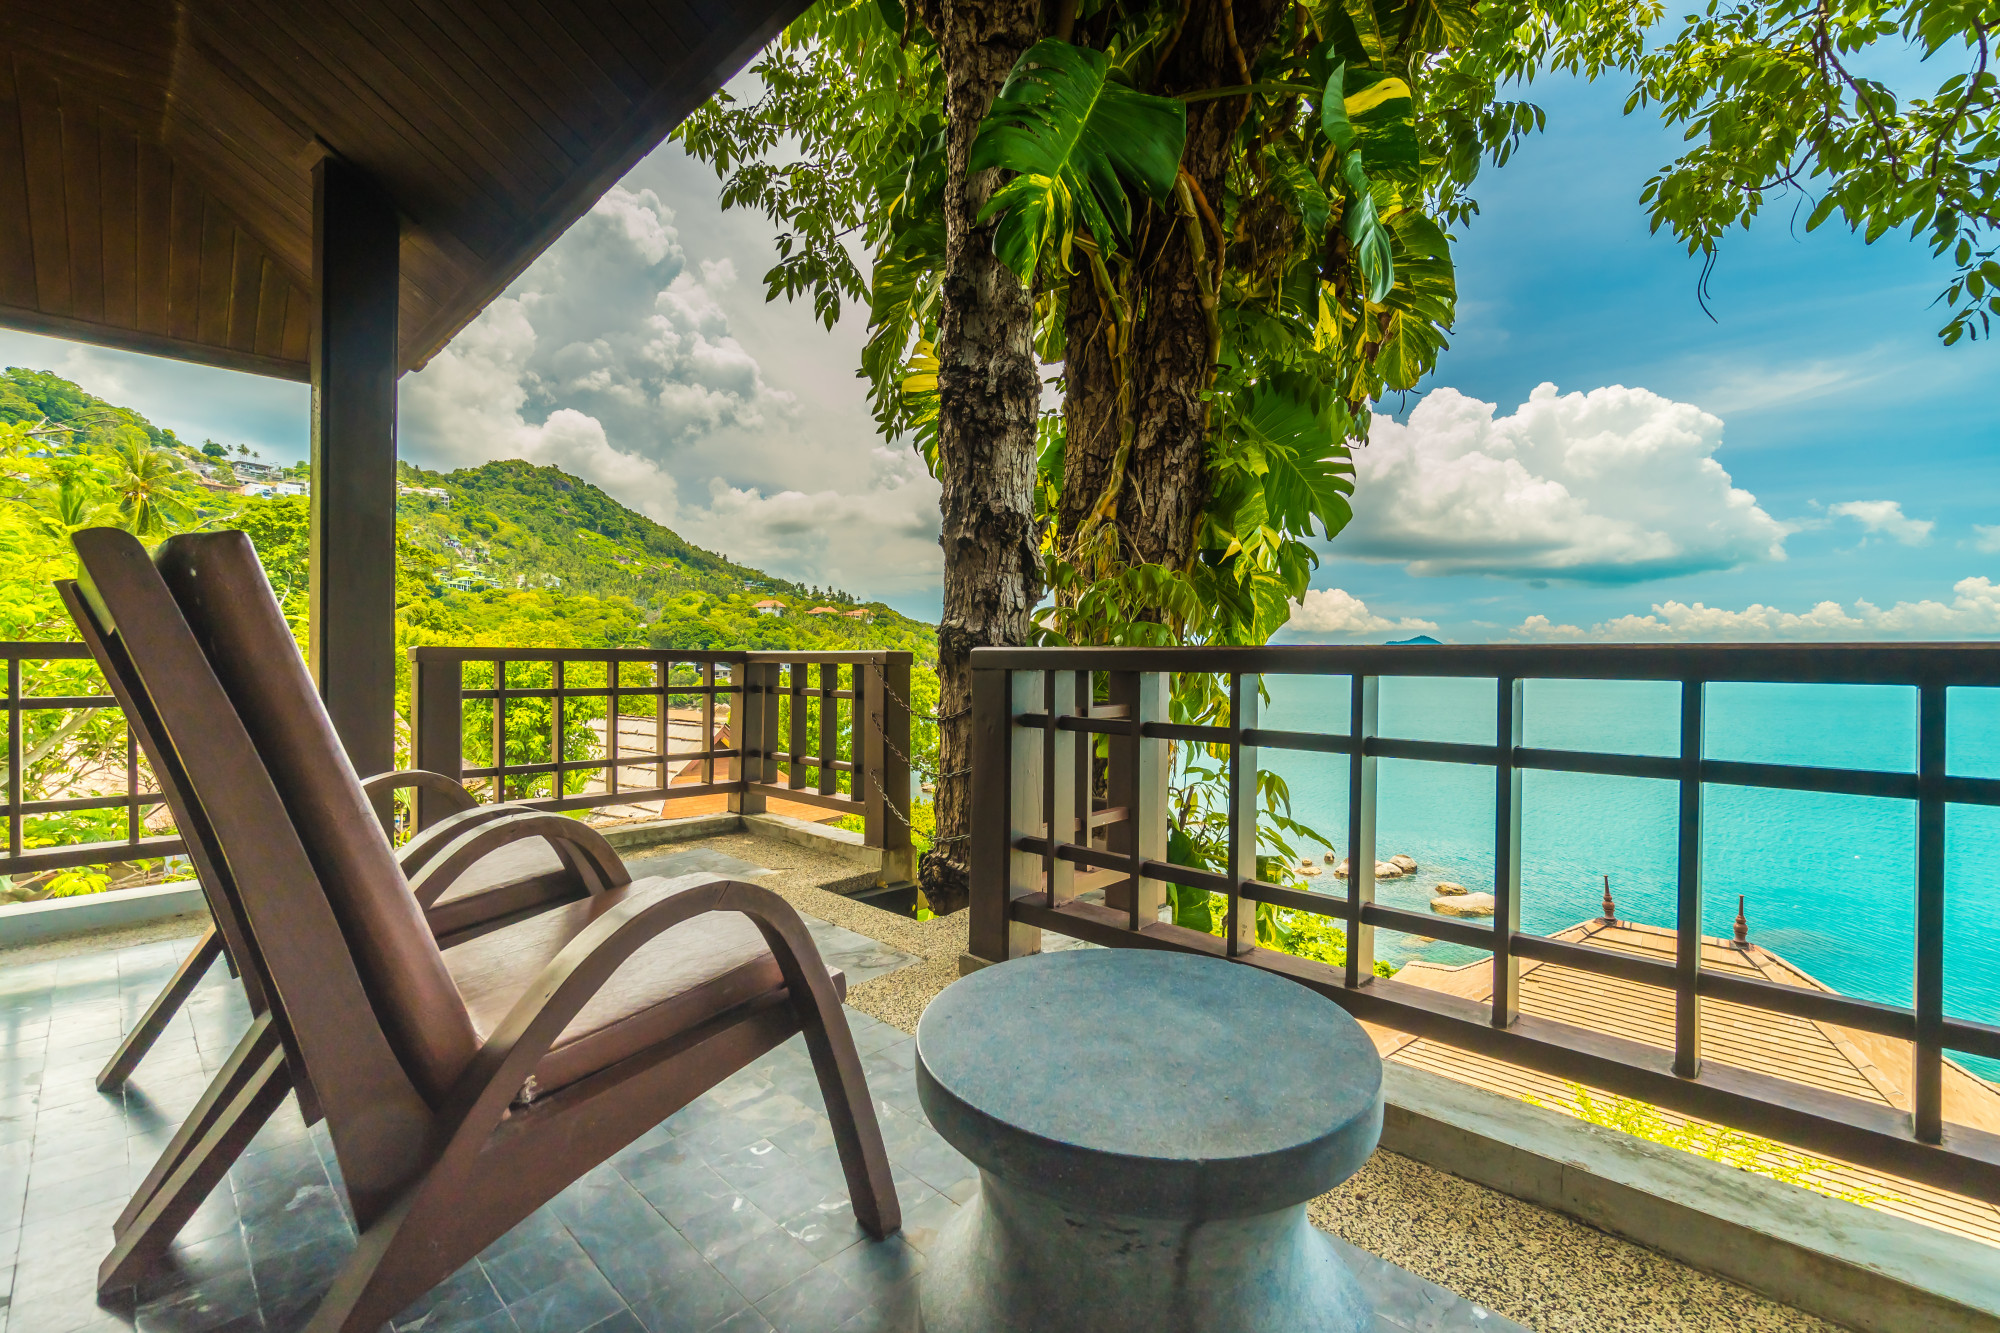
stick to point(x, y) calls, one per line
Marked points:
point(380, 1123)
point(221, 590)
point(211, 865)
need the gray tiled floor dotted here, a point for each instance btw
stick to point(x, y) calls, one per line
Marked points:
point(731, 1215)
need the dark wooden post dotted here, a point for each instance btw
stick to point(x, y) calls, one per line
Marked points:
point(884, 753)
point(1510, 702)
point(355, 240)
point(437, 724)
point(1687, 897)
point(1138, 782)
point(1006, 805)
point(1240, 932)
point(1364, 716)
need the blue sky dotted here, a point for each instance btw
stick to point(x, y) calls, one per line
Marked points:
point(1822, 363)
point(640, 353)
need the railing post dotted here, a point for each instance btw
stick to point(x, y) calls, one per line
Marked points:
point(1059, 821)
point(754, 718)
point(1687, 903)
point(437, 723)
point(1240, 921)
point(1006, 793)
point(795, 680)
point(1506, 853)
point(1138, 782)
point(707, 678)
point(1363, 717)
point(15, 797)
point(828, 777)
point(883, 717)
point(1927, 1055)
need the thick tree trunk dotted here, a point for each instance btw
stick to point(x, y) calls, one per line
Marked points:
point(1165, 486)
point(989, 385)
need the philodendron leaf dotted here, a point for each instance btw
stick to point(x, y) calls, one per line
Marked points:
point(1367, 235)
point(1383, 118)
point(1077, 140)
point(1333, 110)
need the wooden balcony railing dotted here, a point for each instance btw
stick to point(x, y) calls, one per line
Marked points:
point(1040, 796)
point(574, 728)
point(45, 713)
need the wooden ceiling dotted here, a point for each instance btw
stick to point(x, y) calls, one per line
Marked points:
point(156, 156)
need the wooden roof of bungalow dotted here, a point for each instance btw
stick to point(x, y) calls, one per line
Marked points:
point(157, 156)
point(1821, 1055)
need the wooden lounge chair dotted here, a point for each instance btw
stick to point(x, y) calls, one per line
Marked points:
point(462, 1090)
point(509, 883)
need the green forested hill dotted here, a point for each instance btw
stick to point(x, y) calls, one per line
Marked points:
point(509, 527)
point(502, 554)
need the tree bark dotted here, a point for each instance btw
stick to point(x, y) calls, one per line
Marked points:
point(989, 387)
point(1165, 486)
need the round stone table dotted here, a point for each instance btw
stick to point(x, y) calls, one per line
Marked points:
point(1148, 1127)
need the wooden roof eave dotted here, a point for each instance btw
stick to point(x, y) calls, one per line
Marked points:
point(494, 129)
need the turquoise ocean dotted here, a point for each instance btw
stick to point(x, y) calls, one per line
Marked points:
point(1828, 881)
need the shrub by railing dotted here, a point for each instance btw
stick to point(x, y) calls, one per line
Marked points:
point(59, 739)
point(551, 726)
point(1040, 804)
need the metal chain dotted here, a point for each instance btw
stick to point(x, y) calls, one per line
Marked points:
point(882, 730)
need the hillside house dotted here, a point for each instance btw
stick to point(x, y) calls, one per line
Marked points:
point(770, 606)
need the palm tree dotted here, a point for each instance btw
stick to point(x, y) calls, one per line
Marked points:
point(76, 498)
point(150, 488)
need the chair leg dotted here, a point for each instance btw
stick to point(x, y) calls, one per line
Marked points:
point(856, 1131)
point(237, 1073)
point(168, 1208)
point(165, 1005)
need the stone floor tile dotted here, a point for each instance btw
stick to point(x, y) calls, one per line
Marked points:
point(694, 1302)
point(465, 1297)
point(579, 1298)
point(817, 1302)
point(767, 1261)
point(735, 1221)
point(525, 1270)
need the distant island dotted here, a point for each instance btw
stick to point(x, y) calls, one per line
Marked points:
point(1404, 643)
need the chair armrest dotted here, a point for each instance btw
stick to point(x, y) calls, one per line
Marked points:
point(454, 793)
point(421, 850)
point(568, 981)
point(582, 849)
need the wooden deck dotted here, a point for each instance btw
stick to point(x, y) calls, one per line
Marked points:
point(1820, 1055)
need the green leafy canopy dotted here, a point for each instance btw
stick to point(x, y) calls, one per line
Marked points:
point(1076, 139)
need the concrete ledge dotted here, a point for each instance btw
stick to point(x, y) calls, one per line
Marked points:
point(58, 918)
point(633, 837)
point(1856, 1266)
point(886, 867)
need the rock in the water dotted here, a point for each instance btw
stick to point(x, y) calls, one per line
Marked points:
point(1340, 871)
point(1408, 863)
point(1329, 859)
point(1308, 869)
point(1464, 904)
point(1447, 889)
point(1389, 870)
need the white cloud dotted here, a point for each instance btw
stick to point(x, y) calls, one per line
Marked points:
point(612, 358)
point(1337, 611)
point(1616, 485)
point(886, 536)
point(1887, 518)
point(1988, 536)
point(1973, 612)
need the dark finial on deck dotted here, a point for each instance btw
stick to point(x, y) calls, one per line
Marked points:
point(1610, 909)
point(1742, 923)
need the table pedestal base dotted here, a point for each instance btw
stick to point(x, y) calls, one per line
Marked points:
point(1014, 1260)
